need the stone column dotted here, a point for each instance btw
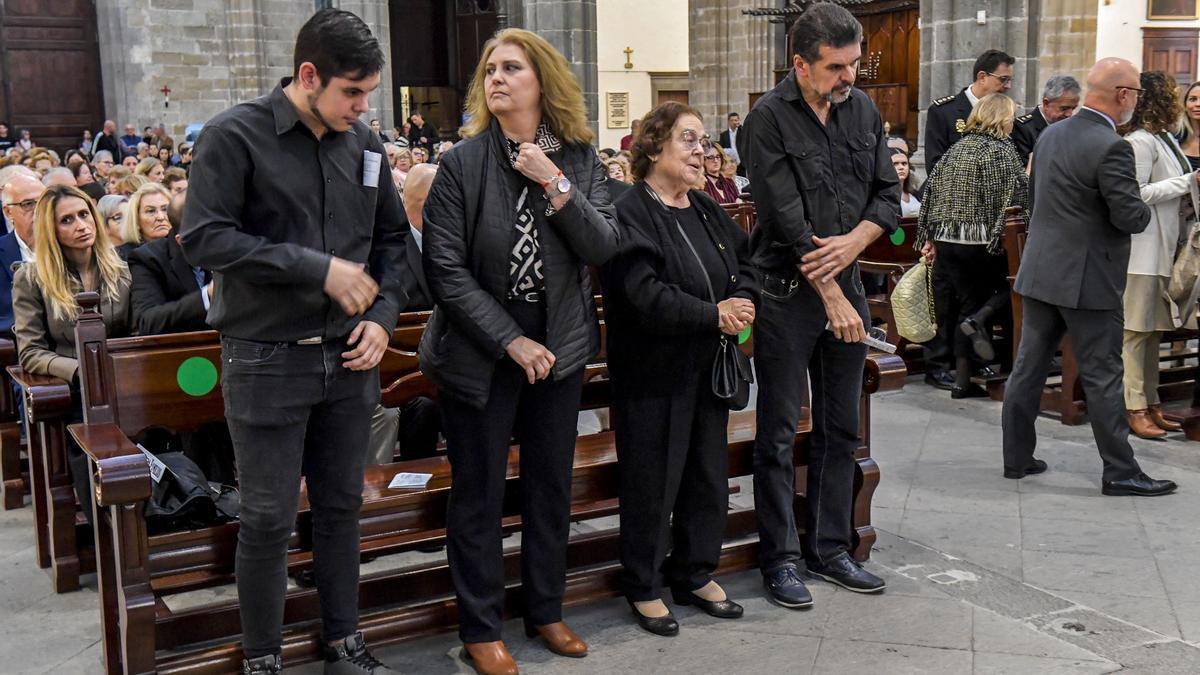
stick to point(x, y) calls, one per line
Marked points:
point(731, 55)
point(569, 25)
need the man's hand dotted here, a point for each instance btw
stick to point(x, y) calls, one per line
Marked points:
point(349, 284)
point(836, 253)
point(844, 320)
point(533, 357)
point(369, 341)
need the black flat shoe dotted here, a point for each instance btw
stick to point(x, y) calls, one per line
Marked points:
point(1140, 485)
point(939, 379)
point(722, 609)
point(847, 573)
point(786, 588)
point(981, 342)
point(970, 391)
point(665, 626)
point(1035, 466)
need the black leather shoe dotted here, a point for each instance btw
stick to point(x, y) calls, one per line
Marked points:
point(262, 665)
point(986, 371)
point(970, 391)
point(665, 626)
point(981, 342)
point(723, 609)
point(845, 572)
point(1035, 466)
point(1140, 485)
point(786, 588)
point(940, 379)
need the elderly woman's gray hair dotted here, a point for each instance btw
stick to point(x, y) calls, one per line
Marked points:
point(108, 205)
point(1059, 86)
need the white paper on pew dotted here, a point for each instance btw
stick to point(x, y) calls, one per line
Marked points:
point(409, 480)
point(157, 468)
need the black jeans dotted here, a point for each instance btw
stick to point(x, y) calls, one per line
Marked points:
point(542, 418)
point(673, 463)
point(294, 410)
point(790, 342)
point(967, 279)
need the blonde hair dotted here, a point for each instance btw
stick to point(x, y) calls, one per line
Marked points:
point(992, 115)
point(58, 286)
point(618, 161)
point(563, 109)
point(145, 166)
point(129, 184)
point(131, 225)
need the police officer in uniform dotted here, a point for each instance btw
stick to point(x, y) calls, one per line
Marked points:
point(1060, 98)
point(944, 126)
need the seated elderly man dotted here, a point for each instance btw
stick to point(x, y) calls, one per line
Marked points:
point(20, 189)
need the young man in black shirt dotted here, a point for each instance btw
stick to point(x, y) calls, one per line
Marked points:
point(825, 188)
point(292, 208)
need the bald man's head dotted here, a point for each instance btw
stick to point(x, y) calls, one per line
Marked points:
point(1113, 88)
point(416, 189)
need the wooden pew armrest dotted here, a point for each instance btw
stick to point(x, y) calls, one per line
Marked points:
point(884, 267)
point(122, 472)
point(883, 372)
point(48, 397)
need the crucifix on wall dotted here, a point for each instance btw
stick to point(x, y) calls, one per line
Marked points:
point(628, 58)
point(166, 92)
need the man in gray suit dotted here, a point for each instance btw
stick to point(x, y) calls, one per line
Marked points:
point(1086, 204)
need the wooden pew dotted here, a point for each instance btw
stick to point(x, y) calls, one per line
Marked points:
point(1065, 399)
point(892, 257)
point(743, 214)
point(138, 573)
point(14, 469)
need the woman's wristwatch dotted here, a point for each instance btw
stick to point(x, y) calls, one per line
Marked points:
point(556, 185)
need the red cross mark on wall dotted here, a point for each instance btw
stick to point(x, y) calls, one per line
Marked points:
point(166, 92)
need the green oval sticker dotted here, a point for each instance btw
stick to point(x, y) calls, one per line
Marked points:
point(897, 237)
point(197, 376)
point(744, 335)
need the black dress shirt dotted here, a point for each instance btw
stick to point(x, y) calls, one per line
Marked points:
point(813, 178)
point(269, 205)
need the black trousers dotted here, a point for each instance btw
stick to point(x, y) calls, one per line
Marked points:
point(420, 425)
point(1096, 340)
point(542, 418)
point(790, 343)
point(673, 462)
point(294, 410)
point(966, 279)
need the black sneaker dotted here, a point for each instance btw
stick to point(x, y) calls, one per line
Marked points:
point(350, 657)
point(262, 665)
point(786, 588)
point(847, 573)
point(940, 379)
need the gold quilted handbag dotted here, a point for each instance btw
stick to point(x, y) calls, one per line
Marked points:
point(912, 304)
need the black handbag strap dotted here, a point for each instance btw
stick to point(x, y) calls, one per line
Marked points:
point(687, 240)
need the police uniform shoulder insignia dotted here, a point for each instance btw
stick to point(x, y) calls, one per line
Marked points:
point(943, 101)
point(1025, 118)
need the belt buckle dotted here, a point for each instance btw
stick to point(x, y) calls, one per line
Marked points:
point(310, 341)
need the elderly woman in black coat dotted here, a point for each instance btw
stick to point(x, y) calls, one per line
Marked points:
point(681, 279)
point(516, 214)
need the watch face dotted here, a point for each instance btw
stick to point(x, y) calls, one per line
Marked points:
point(563, 185)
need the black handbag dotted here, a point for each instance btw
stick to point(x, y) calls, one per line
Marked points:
point(732, 374)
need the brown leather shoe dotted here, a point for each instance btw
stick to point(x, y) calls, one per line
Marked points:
point(1156, 416)
point(559, 639)
point(489, 658)
point(1142, 426)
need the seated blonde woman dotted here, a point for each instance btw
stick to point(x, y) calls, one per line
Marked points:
point(71, 254)
point(146, 218)
point(151, 168)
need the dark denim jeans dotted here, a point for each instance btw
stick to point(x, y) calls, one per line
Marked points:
point(790, 342)
point(294, 410)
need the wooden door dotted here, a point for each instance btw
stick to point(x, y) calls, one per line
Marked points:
point(1171, 50)
point(679, 95)
point(50, 70)
point(890, 67)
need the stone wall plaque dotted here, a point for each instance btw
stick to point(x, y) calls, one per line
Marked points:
point(618, 109)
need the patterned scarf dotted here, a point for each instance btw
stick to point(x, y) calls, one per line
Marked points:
point(525, 260)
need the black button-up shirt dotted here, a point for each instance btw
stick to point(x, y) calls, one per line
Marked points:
point(811, 178)
point(268, 206)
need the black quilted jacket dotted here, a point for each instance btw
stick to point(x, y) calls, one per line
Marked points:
point(468, 236)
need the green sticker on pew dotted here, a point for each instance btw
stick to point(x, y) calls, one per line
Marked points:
point(196, 376)
point(744, 335)
point(897, 237)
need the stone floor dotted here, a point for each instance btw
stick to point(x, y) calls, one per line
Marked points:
point(986, 575)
